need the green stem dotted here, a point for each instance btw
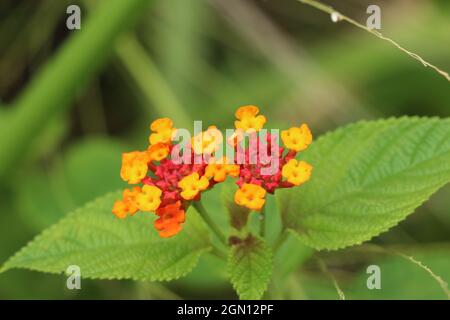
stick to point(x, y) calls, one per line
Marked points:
point(53, 89)
point(280, 240)
point(219, 253)
point(206, 217)
point(151, 83)
point(262, 224)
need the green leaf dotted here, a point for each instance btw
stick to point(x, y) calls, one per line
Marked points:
point(366, 178)
point(69, 184)
point(250, 267)
point(105, 247)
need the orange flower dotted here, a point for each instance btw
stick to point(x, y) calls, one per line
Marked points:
point(158, 151)
point(134, 166)
point(250, 196)
point(248, 120)
point(129, 196)
point(126, 206)
point(171, 218)
point(168, 186)
point(297, 139)
point(120, 209)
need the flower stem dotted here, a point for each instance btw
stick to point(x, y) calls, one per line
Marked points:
point(206, 217)
point(280, 240)
point(219, 253)
point(262, 225)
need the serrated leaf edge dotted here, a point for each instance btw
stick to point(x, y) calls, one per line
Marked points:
point(5, 267)
point(305, 240)
point(262, 291)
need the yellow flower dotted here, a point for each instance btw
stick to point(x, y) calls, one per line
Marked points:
point(248, 120)
point(218, 170)
point(162, 131)
point(296, 172)
point(297, 139)
point(192, 185)
point(207, 141)
point(233, 170)
point(149, 199)
point(163, 136)
point(158, 151)
point(161, 124)
point(250, 196)
point(134, 166)
point(126, 206)
point(168, 186)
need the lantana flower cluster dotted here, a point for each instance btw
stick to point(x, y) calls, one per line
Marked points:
point(166, 186)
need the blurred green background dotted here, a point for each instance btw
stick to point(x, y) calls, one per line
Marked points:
point(72, 101)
